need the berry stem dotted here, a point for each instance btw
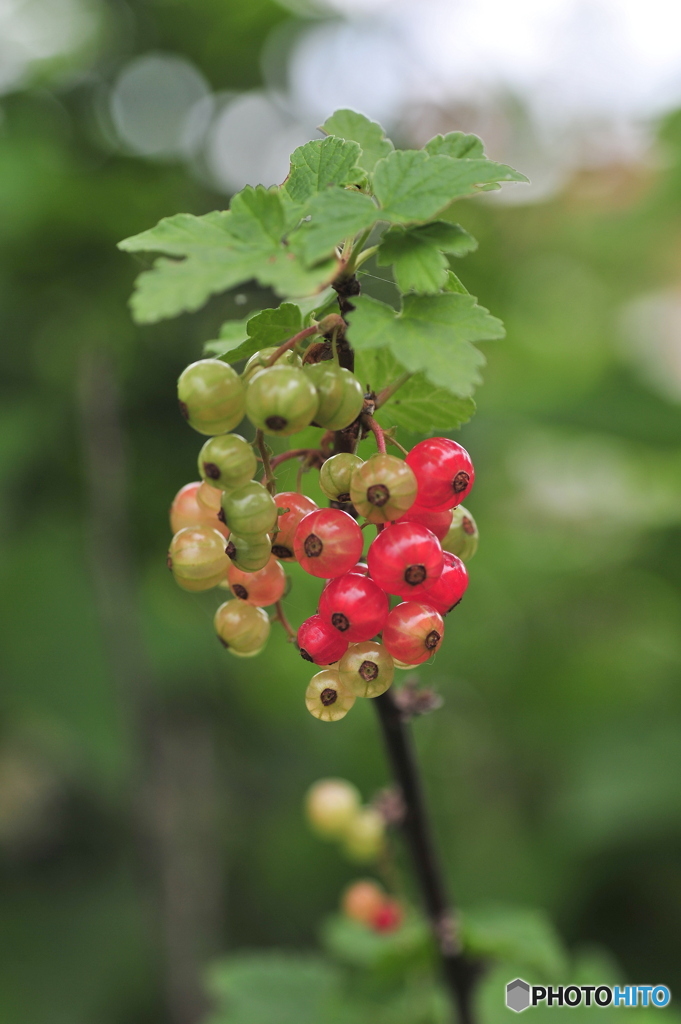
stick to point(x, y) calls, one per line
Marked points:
point(377, 432)
point(294, 453)
point(460, 972)
point(387, 392)
point(280, 617)
point(329, 323)
point(267, 465)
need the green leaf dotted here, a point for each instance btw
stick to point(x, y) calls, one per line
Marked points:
point(232, 334)
point(273, 988)
point(417, 254)
point(354, 943)
point(334, 216)
point(411, 185)
point(319, 164)
point(348, 124)
point(453, 284)
point(269, 328)
point(221, 250)
point(457, 145)
point(417, 406)
point(432, 333)
point(521, 935)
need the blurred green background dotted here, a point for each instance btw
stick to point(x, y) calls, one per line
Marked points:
point(151, 786)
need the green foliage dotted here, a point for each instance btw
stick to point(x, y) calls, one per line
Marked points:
point(300, 237)
point(521, 936)
point(431, 333)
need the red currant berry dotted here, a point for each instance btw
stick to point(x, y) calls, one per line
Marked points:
point(187, 510)
point(362, 901)
point(341, 396)
point(260, 588)
point(250, 509)
point(212, 396)
point(413, 632)
point(335, 475)
point(242, 628)
point(281, 400)
point(298, 505)
point(367, 669)
point(331, 805)
point(321, 643)
point(444, 472)
point(437, 522)
point(328, 543)
point(405, 559)
point(446, 592)
point(197, 558)
point(462, 537)
point(388, 917)
point(327, 697)
point(227, 461)
point(355, 606)
point(383, 488)
point(250, 553)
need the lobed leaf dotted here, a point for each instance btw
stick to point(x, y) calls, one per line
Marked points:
point(273, 988)
point(417, 254)
point(432, 334)
point(334, 216)
point(456, 144)
point(268, 328)
point(417, 406)
point(412, 186)
point(319, 164)
point(348, 124)
point(221, 250)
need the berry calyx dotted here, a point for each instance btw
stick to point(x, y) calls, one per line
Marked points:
point(227, 461)
point(250, 509)
point(327, 698)
point(446, 592)
point(281, 400)
point(462, 537)
point(355, 606)
point(336, 473)
point(187, 510)
point(212, 396)
point(413, 632)
point(328, 543)
point(261, 588)
point(250, 553)
point(388, 917)
point(319, 642)
point(340, 394)
point(197, 558)
point(437, 522)
point(363, 900)
point(405, 559)
point(444, 472)
point(242, 628)
point(367, 669)
point(298, 505)
point(330, 805)
point(383, 488)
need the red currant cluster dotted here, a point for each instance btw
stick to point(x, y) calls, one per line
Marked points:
point(424, 534)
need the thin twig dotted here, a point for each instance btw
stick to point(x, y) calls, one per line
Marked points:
point(377, 432)
point(267, 466)
point(387, 392)
point(329, 323)
point(280, 617)
point(294, 453)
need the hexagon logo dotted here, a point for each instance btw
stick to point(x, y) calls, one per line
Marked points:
point(517, 995)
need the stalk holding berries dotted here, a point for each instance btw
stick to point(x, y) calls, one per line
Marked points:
point(392, 546)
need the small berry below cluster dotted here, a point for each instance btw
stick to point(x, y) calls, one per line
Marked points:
point(390, 548)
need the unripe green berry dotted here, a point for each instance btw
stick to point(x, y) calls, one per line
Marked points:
point(331, 805)
point(365, 836)
point(249, 553)
point(212, 396)
point(383, 488)
point(241, 627)
point(462, 536)
point(327, 697)
point(281, 400)
point(367, 669)
point(259, 361)
point(250, 509)
point(197, 558)
point(341, 396)
point(336, 473)
point(227, 461)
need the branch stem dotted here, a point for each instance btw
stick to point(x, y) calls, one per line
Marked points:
point(460, 973)
point(387, 392)
point(267, 465)
point(377, 432)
